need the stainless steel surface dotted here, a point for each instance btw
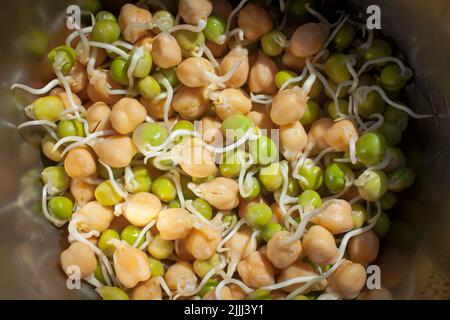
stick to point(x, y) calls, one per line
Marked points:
point(416, 257)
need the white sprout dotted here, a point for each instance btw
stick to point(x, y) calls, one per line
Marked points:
point(118, 189)
point(261, 98)
point(75, 34)
point(322, 154)
point(49, 86)
point(174, 175)
point(383, 164)
point(143, 233)
point(284, 168)
point(404, 70)
point(235, 229)
point(295, 79)
point(237, 282)
point(198, 28)
point(90, 68)
point(130, 181)
point(137, 55)
point(352, 149)
point(210, 57)
point(58, 223)
point(376, 124)
point(110, 47)
point(242, 180)
point(37, 123)
point(86, 140)
point(169, 98)
point(165, 287)
point(366, 45)
point(231, 16)
point(335, 31)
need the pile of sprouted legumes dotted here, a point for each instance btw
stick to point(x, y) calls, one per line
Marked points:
point(167, 171)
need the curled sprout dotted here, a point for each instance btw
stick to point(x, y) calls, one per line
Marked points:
point(47, 88)
point(118, 189)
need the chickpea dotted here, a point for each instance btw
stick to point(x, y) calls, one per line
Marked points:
point(47, 145)
point(96, 89)
point(97, 117)
point(202, 243)
point(126, 115)
point(316, 134)
point(221, 193)
point(61, 94)
point(239, 78)
point(77, 77)
point(291, 61)
point(255, 21)
point(129, 15)
point(282, 253)
point(293, 140)
point(141, 208)
point(195, 72)
point(337, 217)
point(236, 292)
point(115, 151)
point(190, 103)
point(256, 270)
point(192, 11)
point(262, 75)
point(240, 246)
point(182, 251)
point(364, 247)
point(174, 223)
point(94, 216)
point(225, 294)
point(166, 52)
point(230, 102)
point(156, 107)
point(80, 255)
point(80, 163)
point(148, 290)
point(308, 39)
point(288, 106)
point(348, 280)
point(180, 275)
point(298, 269)
point(210, 129)
point(146, 41)
point(82, 192)
point(319, 245)
point(194, 158)
point(260, 116)
point(131, 265)
point(339, 134)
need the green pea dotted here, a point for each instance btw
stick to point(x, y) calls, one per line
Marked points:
point(316, 89)
point(230, 219)
point(112, 293)
point(203, 207)
point(215, 28)
point(336, 69)
point(269, 230)
point(345, 37)
point(269, 45)
point(130, 234)
point(259, 294)
point(163, 19)
point(259, 214)
point(359, 215)
point(90, 5)
point(143, 66)
point(174, 204)
point(374, 104)
point(56, 178)
point(48, 108)
point(104, 242)
point(313, 176)
point(236, 126)
point(106, 195)
point(334, 176)
point(150, 134)
point(63, 58)
point(170, 75)
point(202, 267)
point(397, 116)
point(183, 125)
point(311, 114)
point(302, 297)
point(375, 185)
point(156, 267)
point(391, 132)
point(187, 193)
point(297, 10)
point(342, 106)
point(188, 40)
point(254, 186)
point(160, 248)
point(164, 189)
point(271, 177)
point(230, 166)
point(36, 43)
point(371, 148)
point(382, 226)
point(70, 128)
point(388, 201)
point(143, 178)
point(293, 188)
point(118, 71)
point(60, 207)
point(209, 285)
point(391, 78)
point(284, 75)
point(106, 31)
point(401, 179)
point(117, 172)
point(379, 49)
point(105, 15)
point(98, 274)
point(263, 150)
point(309, 200)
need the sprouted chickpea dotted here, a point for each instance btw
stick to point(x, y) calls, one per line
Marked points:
point(80, 255)
point(262, 75)
point(131, 265)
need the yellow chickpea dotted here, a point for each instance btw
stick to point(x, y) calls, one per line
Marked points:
point(262, 75)
point(141, 208)
point(47, 145)
point(210, 129)
point(236, 55)
point(282, 253)
point(260, 116)
point(148, 290)
point(230, 102)
point(316, 134)
point(94, 216)
point(195, 72)
point(81, 256)
point(126, 115)
point(221, 193)
point(82, 192)
point(156, 108)
point(202, 243)
point(225, 294)
point(293, 140)
point(61, 94)
point(131, 265)
point(255, 21)
point(174, 223)
point(308, 39)
point(97, 117)
point(236, 292)
point(129, 15)
point(195, 159)
point(363, 248)
point(288, 106)
point(338, 136)
point(291, 61)
point(240, 246)
point(115, 151)
point(180, 275)
point(256, 270)
point(319, 245)
point(166, 52)
point(80, 163)
point(190, 103)
point(192, 11)
point(347, 281)
point(337, 217)
point(298, 269)
point(96, 89)
point(77, 77)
